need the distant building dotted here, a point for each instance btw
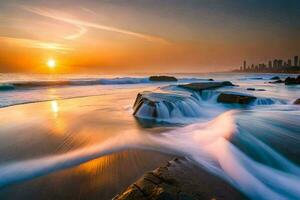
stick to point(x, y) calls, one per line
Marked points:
point(280, 63)
point(296, 59)
point(289, 63)
point(270, 64)
point(244, 65)
point(275, 65)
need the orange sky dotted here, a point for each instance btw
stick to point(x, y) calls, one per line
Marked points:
point(138, 36)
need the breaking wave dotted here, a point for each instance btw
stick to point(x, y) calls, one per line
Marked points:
point(83, 82)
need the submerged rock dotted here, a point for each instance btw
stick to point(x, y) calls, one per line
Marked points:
point(297, 102)
point(162, 78)
point(253, 89)
point(205, 85)
point(235, 98)
point(179, 180)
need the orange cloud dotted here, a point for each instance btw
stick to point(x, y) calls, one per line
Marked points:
point(55, 15)
point(38, 44)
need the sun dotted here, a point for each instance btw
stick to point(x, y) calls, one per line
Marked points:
point(51, 63)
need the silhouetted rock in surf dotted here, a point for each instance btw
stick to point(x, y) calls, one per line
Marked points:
point(163, 78)
point(297, 102)
point(205, 85)
point(292, 81)
point(235, 98)
point(179, 180)
point(289, 81)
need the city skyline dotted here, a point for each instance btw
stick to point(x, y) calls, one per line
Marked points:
point(279, 65)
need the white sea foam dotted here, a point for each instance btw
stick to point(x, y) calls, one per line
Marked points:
point(207, 144)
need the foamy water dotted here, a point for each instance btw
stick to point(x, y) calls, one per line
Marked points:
point(245, 146)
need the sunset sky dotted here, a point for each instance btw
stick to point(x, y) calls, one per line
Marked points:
point(130, 36)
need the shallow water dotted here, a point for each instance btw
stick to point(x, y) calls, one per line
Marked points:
point(253, 148)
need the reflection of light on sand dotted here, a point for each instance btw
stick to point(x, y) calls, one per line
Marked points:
point(54, 108)
point(59, 124)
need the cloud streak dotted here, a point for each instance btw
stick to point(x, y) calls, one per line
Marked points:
point(36, 44)
point(51, 14)
point(81, 32)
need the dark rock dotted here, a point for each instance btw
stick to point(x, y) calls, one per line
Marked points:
point(275, 78)
point(297, 102)
point(205, 85)
point(152, 98)
point(292, 81)
point(211, 79)
point(162, 78)
point(253, 89)
point(235, 98)
point(179, 180)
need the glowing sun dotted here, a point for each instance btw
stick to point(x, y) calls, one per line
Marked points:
point(51, 63)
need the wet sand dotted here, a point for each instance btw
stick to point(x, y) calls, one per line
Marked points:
point(55, 127)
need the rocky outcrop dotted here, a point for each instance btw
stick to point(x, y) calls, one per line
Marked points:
point(163, 78)
point(148, 102)
point(292, 81)
point(179, 180)
point(235, 98)
point(297, 102)
point(205, 85)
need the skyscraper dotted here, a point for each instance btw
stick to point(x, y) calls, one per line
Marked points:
point(289, 62)
point(244, 65)
point(270, 64)
point(296, 59)
point(280, 63)
point(275, 64)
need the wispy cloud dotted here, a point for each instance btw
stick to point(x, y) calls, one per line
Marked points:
point(88, 10)
point(37, 44)
point(82, 30)
point(54, 15)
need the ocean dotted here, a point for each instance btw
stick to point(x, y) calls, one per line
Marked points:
point(82, 127)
